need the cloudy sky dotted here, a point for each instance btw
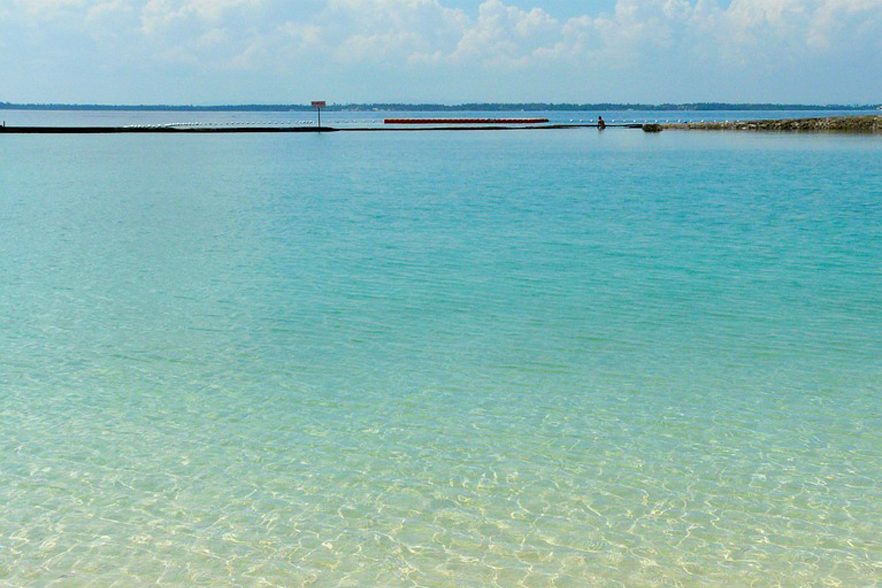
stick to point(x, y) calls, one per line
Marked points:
point(268, 51)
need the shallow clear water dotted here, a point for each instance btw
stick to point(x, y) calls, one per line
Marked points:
point(561, 358)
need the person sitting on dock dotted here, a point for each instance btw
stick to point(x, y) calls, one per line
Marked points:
point(600, 123)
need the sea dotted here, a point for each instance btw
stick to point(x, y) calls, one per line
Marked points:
point(519, 359)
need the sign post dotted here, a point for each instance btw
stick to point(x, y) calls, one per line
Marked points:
point(318, 105)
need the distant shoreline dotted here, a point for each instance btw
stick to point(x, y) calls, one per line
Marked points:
point(428, 107)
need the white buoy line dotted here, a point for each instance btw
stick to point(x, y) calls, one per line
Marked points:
point(367, 122)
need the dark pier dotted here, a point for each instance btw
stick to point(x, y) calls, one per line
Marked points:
point(55, 130)
point(157, 129)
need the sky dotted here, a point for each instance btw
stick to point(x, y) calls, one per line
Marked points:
point(441, 51)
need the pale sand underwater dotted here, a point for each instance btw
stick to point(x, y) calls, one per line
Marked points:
point(477, 359)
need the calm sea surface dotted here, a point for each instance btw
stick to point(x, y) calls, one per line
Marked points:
point(525, 358)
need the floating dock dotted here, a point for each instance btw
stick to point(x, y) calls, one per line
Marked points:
point(464, 121)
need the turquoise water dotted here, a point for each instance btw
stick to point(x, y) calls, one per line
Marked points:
point(561, 358)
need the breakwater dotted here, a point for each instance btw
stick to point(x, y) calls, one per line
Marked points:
point(838, 124)
point(74, 130)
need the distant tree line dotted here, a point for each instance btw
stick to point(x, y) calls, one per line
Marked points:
point(470, 106)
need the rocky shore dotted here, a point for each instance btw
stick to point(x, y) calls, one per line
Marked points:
point(871, 123)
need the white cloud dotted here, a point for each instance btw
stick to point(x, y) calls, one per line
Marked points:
point(49, 8)
point(99, 12)
point(506, 34)
point(838, 19)
point(644, 37)
point(304, 36)
point(157, 14)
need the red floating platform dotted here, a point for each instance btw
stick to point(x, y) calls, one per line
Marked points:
point(464, 121)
